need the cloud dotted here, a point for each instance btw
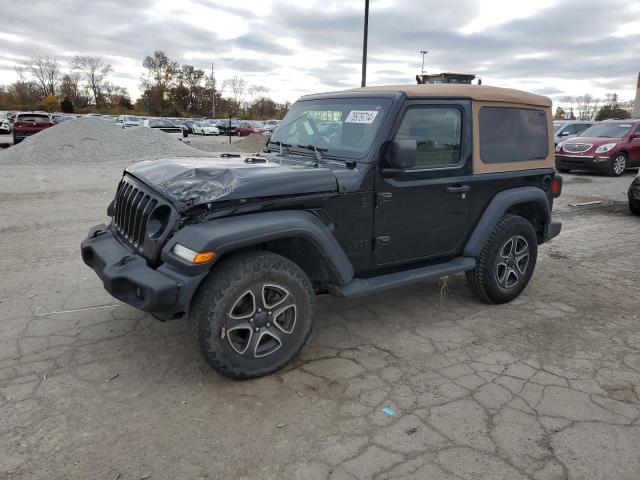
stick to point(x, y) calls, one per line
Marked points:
point(553, 47)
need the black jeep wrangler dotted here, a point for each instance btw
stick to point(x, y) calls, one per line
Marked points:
point(357, 192)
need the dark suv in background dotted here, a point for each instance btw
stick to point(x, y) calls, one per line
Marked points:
point(610, 147)
point(29, 123)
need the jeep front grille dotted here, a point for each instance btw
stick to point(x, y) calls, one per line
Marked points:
point(133, 205)
point(576, 147)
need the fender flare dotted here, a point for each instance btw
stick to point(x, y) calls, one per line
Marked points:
point(496, 209)
point(231, 233)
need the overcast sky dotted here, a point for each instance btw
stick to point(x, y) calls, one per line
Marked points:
point(292, 47)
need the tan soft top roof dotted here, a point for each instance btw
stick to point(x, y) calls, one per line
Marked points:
point(475, 92)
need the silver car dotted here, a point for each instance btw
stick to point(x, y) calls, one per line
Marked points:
point(566, 129)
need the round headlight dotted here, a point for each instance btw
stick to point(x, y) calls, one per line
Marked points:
point(158, 221)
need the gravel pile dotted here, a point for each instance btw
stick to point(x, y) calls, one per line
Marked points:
point(92, 140)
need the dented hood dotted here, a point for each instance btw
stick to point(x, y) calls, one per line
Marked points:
point(198, 180)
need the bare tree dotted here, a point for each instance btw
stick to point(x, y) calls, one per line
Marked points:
point(237, 86)
point(257, 90)
point(21, 84)
point(587, 107)
point(95, 71)
point(46, 73)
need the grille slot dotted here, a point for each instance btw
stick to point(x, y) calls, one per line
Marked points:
point(134, 205)
point(576, 147)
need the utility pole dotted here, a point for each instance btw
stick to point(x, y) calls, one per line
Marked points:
point(364, 43)
point(213, 94)
point(423, 52)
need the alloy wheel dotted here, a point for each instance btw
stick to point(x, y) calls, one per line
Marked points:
point(512, 262)
point(619, 164)
point(261, 320)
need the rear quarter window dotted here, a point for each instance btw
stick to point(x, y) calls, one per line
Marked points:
point(510, 134)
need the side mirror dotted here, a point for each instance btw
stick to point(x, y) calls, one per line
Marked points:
point(565, 134)
point(635, 136)
point(401, 154)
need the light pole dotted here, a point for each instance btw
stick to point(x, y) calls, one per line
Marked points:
point(423, 52)
point(213, 94)
point(364, 43)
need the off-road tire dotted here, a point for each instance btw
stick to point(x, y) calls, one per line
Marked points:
point(611, 169)
point(220, 292)
point(633, 209)
point(483, 280)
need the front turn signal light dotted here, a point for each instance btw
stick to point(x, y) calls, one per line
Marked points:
point(191, 255)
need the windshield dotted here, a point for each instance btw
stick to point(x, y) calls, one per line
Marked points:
point(344, 127)
point(607, 130)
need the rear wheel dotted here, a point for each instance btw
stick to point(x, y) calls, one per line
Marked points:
point(617, 165)
point(506, 262)
point(253, 314)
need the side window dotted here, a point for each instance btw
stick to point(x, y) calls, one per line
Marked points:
point(511, 134)
point(582, 127)
point(636, 131)
point(438, 133)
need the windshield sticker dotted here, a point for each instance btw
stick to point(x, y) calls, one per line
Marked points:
point(361, 116)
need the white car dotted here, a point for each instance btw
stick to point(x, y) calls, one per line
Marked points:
point(5, 126)
point(205, 128)
point(167, 126)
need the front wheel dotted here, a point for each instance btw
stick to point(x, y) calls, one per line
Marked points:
point(618, 165)
point(506, 262)
point(253, 314)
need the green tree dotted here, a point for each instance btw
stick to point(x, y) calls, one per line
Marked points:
point(157, 80)
point(612, 109)
point(560, 114)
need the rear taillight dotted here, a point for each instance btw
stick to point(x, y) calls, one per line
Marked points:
point(556, 186)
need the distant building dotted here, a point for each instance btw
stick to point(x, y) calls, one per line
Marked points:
point(636, 106)
point(446, 77)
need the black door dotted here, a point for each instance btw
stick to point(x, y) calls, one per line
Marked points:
point(422, 212)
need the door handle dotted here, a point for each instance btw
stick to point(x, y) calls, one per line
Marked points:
point(455, 189)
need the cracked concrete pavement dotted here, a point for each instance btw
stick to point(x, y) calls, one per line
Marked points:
point(547, 387)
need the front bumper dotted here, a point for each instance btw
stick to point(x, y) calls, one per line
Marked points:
point(164, 291)
point(599, 163)
point(553, 228)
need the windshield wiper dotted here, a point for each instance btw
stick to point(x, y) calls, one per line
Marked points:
point(318, 151)
point(280, 144)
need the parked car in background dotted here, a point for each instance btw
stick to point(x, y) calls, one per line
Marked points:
point(109, 118)
point(129, 121)
point(610, 147)
point(247, 128)
point(181, 122)
point(206, 128)
point(566, 129)
point(5, 125)
point(634, 195)
point(57, 117)
point(271, 125)
point(29, 123)
point(166, 126)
